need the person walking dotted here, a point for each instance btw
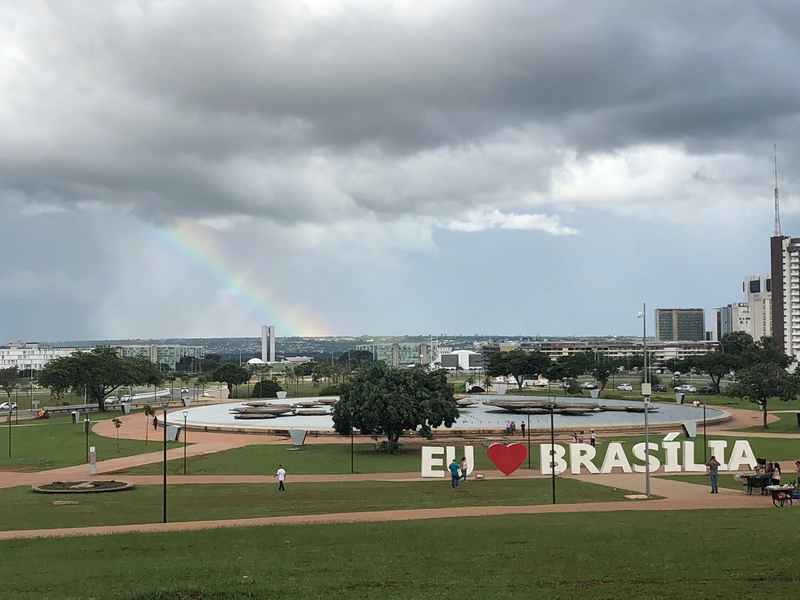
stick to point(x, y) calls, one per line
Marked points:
point(464, 468)
point(281, 475)
point(592, 438)
point(455, 475)
point(155, 423)
point(713, 471)
point(522, 427)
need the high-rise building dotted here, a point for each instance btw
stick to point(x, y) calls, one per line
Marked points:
point(268, 343)
point(402, 354)
point(680, 324)
point(758, 296)
point(729, 319)
point(785, 266)
point(166, 355)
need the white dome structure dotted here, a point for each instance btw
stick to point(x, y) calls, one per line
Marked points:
point(256, 361)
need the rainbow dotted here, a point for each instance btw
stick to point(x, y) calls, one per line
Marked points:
point(198, 246)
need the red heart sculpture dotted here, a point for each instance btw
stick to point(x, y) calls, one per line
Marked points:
point(507, 458)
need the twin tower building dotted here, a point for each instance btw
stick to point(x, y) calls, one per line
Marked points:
point(268, 344)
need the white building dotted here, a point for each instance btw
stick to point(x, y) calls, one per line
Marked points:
point(785, 275)
point(758, 295)
point(163, 354)
point(466, 360)
point(28, 355)
point(730, 319)
point(268, 344)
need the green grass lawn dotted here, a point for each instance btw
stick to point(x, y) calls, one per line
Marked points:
point(640, 555)
point(189, 502)
point(57, 442)
point(725, 480)
point(786, 424)
point(313, 459)
point(335, 458)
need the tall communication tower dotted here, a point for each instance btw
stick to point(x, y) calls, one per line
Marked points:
point(777, 201)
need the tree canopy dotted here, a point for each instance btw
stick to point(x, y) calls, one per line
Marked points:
point(8, 379)
point(266, 388)
point(99, 371)
point(231, 374)
point(518, 364)
point(762, 375)
point(388, 401)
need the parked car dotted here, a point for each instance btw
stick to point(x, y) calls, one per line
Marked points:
point(8, 406)
point(588, 385)
point(686, 389)
point(625, 387)
point(111, 401)
point(707, 389)
point(657, 387)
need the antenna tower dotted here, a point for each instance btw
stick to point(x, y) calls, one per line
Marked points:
point(777, 201)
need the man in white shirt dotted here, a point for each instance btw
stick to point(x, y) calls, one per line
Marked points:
point(281, 475)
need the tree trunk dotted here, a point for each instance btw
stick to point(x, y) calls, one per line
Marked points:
point(764, 406)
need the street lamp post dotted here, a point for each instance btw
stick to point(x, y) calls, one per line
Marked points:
point(86, 435)
point(352, 465)
point(646, 395)
point(164, 404)
point(185, 415)
point(529, 438)
point(552, 401)
point(705, 444)
point(9, 429)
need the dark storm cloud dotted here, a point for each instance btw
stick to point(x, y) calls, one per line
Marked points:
point(317, 111)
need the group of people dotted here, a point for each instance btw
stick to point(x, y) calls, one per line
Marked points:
point(771, 470)
point(457, 471)
point(511, 428)
point(579, 438)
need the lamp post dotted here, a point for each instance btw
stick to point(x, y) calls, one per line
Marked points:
point(164, 404)
point(646, 395)
point(86, 435)
point(185, 415)
point(705, 444)
point(552, 401)
point(529, 438)
point(9, 429)
point(352, 413)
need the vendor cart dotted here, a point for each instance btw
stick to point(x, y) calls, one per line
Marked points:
point(781, 495)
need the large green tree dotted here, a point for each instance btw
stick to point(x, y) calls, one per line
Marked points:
point(231, 374)
point(388, 401)
point(8, 379)
point(99, 372)
point(518, 364)
point(762, 375)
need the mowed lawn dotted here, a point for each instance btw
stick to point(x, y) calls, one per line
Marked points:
point(57, 442)
point(664, 555)
point(190, 502)
point(335, 458)
point(312, 459)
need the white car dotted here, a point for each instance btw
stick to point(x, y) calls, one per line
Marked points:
point(588, 385)
point(111, 401)
point(686, 389)
point(8, 406)
point(625, 387)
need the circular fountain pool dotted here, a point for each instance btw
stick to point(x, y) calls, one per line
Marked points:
point(480, 416)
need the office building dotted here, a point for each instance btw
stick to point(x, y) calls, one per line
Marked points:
point(758, 295)
point(463, 360)
point(785, 267)
point(29, 356)
point(402, 354)
point(729, 319)
point(268, 344)
point(680, 324)
point(168, 356)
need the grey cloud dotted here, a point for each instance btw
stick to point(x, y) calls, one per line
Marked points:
point(305, 112)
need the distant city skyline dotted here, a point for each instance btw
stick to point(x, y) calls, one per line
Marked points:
point(335, 168)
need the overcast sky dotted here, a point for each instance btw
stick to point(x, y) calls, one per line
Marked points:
point(199, 168)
